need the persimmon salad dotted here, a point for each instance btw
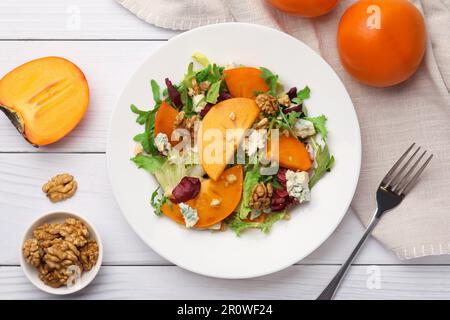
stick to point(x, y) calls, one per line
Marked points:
point(230, 147)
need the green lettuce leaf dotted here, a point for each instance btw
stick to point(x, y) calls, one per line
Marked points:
point(251, 178)
point(201, 58)
point(213, 92)
point(190, 74)
point(238, 225)
point(149, 163)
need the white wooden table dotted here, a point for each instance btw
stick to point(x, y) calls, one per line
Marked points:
point(109, 43)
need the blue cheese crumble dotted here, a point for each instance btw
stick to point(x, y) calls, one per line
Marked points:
point(297, 185)
point(256, 141)
point(190, 215)
point(304, 128)
point(199, 102)
point(162, 143)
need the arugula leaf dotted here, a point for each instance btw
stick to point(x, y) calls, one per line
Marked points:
point(238, 225)
point(213, 92)
point(142, 115)
point(156, 91)
point(324, 161)
point(251, 178)
point(149, 163)
point(157, 200)
point(320, 125)
point(271, 80)
point(201, 58)
point(203, 74)
point(212, 73)
point(144, 139)
point(302, 95)
point(286, 124)
point(292, 117)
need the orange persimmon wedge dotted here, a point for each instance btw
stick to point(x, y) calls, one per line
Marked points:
point(292, 154)
point(245, 81)
point(45, 99)
point(236, 114)
point(228, 194)
point(164, 120)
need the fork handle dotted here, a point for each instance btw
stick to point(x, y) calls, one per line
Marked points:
point(332, 287)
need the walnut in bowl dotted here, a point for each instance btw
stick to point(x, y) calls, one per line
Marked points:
point(61, 253)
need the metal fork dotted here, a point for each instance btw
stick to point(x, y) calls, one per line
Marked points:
point(392, 190)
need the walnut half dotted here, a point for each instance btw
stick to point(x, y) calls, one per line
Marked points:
point(60, 187)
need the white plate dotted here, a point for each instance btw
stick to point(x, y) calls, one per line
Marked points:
point(223, 254)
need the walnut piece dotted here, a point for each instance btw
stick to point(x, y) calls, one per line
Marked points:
point(60, 187)
point(262, 124)
point(32, 252)
point(260, 196)
point(61, 254)
point(267, 103)
point(186, 123)
point(204, 86)
point(284, 100)
point(74, 231)
point(89, 255)
point(47, 232)
point(53, 277)
point(60, 249)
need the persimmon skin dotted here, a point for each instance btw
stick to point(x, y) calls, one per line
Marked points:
point(229, 195)
point(244, 82)
point(384, 56)
point(305, 8)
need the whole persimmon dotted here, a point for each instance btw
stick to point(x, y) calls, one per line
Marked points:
point(382, 42)
point(305, 8)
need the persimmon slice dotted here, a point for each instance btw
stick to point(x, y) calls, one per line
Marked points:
point(45, 98)
point(236, 114)
point(245, 81)
point(292, 154)
point(227, 190)
point(165, 118)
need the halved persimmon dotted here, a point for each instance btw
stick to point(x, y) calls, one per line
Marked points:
point(45, 99)
point(227, 190)
point(245, 82)
point(164, 120)
point(233, 116)
point(292, 154)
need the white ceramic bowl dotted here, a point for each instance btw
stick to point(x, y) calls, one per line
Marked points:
point(32, 272)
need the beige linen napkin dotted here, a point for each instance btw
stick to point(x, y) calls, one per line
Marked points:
point(390, 119)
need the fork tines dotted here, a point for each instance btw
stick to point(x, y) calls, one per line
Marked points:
point(402, 177)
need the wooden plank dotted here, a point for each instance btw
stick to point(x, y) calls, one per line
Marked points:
point(107, 66)
point(67, 19)
point(21, 201)
point(296, 282)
